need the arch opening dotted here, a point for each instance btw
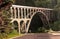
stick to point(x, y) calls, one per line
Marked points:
point(36, 25)
point(15, 23)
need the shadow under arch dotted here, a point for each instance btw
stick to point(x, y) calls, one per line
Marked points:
point(15, 24)
point(37, 23)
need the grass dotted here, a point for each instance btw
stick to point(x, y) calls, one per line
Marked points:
point(14, 34)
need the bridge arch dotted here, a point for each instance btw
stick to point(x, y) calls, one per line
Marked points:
point(15, 25)
point(43, 17)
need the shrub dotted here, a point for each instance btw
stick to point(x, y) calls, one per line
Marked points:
point(55, 26)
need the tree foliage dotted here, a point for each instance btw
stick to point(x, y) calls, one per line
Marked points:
point(41, 3)
point(5, 25)
point(36, 3)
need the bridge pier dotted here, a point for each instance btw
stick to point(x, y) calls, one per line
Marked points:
point(19, 27)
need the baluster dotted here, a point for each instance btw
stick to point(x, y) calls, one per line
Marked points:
point(18, 13)
point(21, 13)
point(15, 11)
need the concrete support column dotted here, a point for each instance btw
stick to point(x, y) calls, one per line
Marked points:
point(28, 26)
point(21, 13)
point(18, 13)
point(25, 17)
point(19, 27)
point(33, 11)
point(25, 25)
point(15, 11)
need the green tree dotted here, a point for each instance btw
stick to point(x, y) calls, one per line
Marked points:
point(36, 3)
point(5, 25)
point(56, 25)
point(24, 2)
point(41, 3)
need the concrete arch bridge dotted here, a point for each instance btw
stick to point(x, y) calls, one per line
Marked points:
point(27, 18)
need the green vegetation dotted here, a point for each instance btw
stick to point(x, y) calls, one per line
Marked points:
point(5, 25)
point(42, 30)
point(6, 30)
point(14, 33)
point(36, 3)
point(56, 26)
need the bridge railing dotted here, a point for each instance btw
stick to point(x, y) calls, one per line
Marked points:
point(18, 11)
